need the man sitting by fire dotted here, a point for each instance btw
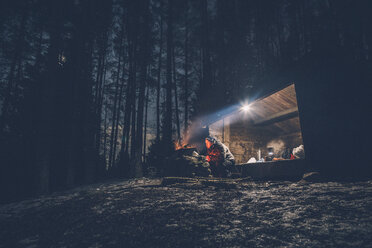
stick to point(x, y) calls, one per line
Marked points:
point(220, 158)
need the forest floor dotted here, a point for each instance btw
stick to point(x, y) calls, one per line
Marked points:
point(149, 213)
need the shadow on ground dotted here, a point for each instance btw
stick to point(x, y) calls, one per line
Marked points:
point(149, 213)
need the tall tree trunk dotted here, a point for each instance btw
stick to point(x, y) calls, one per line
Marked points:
point(124, 155)
point(118, 116)
point(176, 97)
point(133, 122)
point(124, 163)
point(115, 107)
point(120, 97)
point(101, 169)
point(133, 133)
point(144, 56)
point(88, 125)
point(133, 25)
point(145, 128)
point(186, 68)
point(159, 77)
point(48, 93)
point(167, 126)
point(139, 128)
point(204, 103)
point(105, 137)
point(101, 70)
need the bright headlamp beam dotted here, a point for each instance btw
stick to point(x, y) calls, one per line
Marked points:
point(245, 108)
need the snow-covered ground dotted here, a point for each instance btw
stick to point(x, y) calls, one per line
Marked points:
point(142, 213)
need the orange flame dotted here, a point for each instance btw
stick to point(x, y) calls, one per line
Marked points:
point(181, 145)
point(208, 158)
point(177, 145)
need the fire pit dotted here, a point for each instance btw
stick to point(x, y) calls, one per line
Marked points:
point(186, 162)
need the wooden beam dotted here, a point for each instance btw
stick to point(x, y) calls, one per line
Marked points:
point(283, 115)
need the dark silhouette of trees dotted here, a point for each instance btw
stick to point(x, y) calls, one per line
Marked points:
point(84, 83)
point(167, 123)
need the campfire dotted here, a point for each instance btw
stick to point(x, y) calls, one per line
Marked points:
point(186, 161)
point(179, 145)
point(192, 139)
point(184, 149)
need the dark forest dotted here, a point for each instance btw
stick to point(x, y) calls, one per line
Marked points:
point(92, 90)
point(185, 123)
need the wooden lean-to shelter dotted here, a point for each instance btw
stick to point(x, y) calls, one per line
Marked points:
point(268, 124)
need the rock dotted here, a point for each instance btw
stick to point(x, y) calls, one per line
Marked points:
point(313, 177)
